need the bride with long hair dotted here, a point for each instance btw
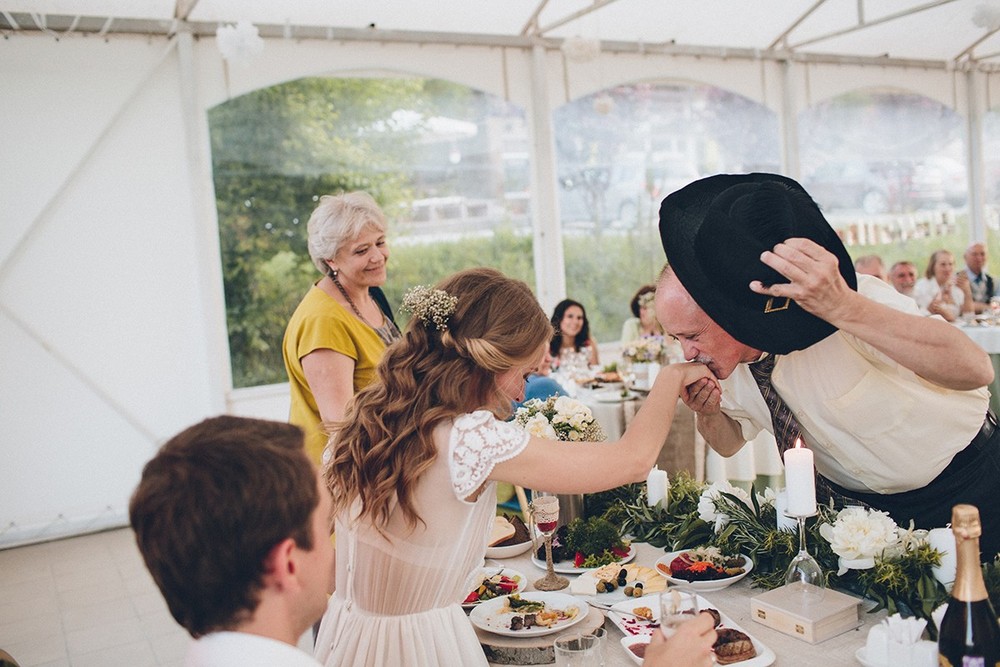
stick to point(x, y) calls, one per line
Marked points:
point(412, 469)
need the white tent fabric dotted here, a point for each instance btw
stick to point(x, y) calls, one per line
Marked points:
point(111, 306)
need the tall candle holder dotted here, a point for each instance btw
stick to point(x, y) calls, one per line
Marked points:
point(804, 575)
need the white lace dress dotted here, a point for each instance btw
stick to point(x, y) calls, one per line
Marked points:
point(398, 601)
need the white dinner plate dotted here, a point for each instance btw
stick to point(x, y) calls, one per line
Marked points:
point(699, 586)
point(636, 629)
point(476, 576)
point(508, 551)
point(862, 656)
point(567, 567)
point(614, 396)
point(487, 616)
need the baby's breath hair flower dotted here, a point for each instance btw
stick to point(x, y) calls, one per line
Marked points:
point(431, 306)
point(646, 300)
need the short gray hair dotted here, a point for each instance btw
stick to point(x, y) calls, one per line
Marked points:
point(339, 219)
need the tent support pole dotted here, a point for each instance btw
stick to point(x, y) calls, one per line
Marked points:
point(977, 223)
point(550, 267)
point(212, 294)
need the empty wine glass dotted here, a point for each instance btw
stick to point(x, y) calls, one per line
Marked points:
point(804, 575)
point(678, 605)
point(545, 516)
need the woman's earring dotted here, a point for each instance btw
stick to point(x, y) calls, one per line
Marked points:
point(332, 271)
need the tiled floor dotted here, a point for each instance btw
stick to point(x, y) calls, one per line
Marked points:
point(85, 602)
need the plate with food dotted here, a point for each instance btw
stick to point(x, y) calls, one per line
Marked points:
point(486, 583)
point(530, 614)
point(576, 566)
point(704, 569)
point(584, 545)
point(508, 537)
point(613, 583)
point(733, 646)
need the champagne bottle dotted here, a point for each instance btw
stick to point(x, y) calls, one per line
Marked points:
point(969, 635)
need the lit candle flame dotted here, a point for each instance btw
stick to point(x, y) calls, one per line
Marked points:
point(798, 443)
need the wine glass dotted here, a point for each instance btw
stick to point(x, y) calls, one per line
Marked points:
point(545, 515)
point(678, 605)
point(804, 575)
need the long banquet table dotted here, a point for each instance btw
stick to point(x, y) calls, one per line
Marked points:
point(988, 338)
point(735, 602)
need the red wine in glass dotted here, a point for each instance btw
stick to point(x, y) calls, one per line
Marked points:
point(547, 526)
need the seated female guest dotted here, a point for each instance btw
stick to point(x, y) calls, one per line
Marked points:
point(572, 333)
point(941, 291)
point(412, 469)
point(643, 322)
point(343, 324)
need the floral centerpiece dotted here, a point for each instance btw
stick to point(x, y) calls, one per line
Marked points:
point(859, 550)
point(559, 418)
point(645, 349)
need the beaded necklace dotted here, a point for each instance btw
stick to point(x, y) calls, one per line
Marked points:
point(387, 332)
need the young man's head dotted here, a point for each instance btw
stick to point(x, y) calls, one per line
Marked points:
point(233, 524)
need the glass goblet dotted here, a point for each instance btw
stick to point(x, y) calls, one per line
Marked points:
point(545, 516)
point(678, 605)
point(804, 575)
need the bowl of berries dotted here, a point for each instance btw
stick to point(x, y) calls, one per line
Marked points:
point(704, 569)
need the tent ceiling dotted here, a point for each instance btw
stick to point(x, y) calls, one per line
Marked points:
point(938, 32)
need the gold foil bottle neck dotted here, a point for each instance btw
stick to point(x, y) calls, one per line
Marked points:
point(965, 521)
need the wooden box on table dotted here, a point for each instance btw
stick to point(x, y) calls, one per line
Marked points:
point(809, 618)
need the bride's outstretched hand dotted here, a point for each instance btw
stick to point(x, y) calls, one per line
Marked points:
point(700, 389)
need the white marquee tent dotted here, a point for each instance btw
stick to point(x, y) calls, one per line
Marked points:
point(112, 318)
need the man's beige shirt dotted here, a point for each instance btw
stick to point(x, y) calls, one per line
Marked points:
point(872, 424)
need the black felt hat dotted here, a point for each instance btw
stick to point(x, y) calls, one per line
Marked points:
point(714, 231)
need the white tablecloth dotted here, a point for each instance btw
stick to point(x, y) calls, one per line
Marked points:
point(987, 338)
point(734, 602)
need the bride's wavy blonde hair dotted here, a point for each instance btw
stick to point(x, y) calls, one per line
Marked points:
point(384, 445)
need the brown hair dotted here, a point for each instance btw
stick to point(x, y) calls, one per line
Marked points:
point(634, 303)
point(929, 271)
point(384, 444)
point(209, 508)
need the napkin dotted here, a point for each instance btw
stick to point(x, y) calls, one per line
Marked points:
point(896, 641)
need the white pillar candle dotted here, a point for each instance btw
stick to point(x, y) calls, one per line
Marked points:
point(800, 480)
point(656, 486)
point(943, 540)
point(780, 507)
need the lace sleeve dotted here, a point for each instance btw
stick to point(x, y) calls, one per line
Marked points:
point(478, 442)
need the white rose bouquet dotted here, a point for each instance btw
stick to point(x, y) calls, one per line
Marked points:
point(559, 418)
point(859, 536)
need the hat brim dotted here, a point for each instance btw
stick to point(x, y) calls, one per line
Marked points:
point(769, 324)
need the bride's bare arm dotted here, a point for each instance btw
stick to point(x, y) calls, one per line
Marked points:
point(582, 467)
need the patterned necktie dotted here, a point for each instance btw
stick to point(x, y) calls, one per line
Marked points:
point(787, 429)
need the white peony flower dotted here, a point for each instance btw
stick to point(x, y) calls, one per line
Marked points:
point(538, 426)
point(567, 406)
point(859, 535)
point(707, 510)
point(770, 497)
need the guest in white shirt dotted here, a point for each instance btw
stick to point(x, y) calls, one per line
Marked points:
point(234, 525)
point(981, 284)
point(870, 265)
point(941, 291)
point(903, 276)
